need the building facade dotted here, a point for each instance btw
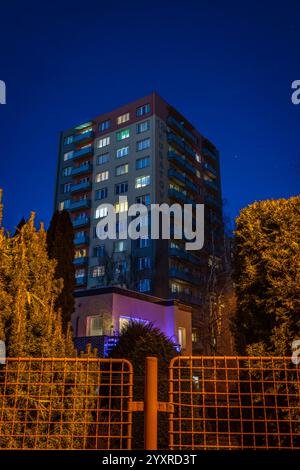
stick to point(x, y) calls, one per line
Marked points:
point(148, 152)
point(100, 315)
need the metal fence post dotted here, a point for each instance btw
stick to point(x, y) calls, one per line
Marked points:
point(150, 404)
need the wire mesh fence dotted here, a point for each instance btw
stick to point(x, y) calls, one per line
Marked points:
point(65, 404)
point(234, 403)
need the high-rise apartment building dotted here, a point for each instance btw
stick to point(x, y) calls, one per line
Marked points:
point(150, 153)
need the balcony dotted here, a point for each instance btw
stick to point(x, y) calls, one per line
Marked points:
point(172, 138)
point(81, 281)
point(184, 276)
point(80, 222)
point(173, 156)
point(84, 152)
point(178, 274)
point(83, 240)
point(211, 184)
point(83, 186)
point(81, 204)
point(80, 261)
point(82, 169)
point(186, 298)
point(179, 176)
point(79, 138)
point(212, 201)
point(208, 152)
point(173, 193)
point(209, 168)
point(184, 255)
point(173, 122)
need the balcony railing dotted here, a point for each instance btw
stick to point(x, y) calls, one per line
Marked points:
point(179, 176)
point(173, 122)
point(84, 136)
point(208, 152)
point(211, 184)
point(81, 281)
point(212, 201)
point(186, 148)
point(81, 204)
point(210, 168)
point(184, 276)
point(83, 152)
point(82, 169)
point(83, 186)
point(80, 221)
point(187, 298)
point(80, 261)
point(83, 240)
point(173, 193)
point(184, 255)
point(173, 156)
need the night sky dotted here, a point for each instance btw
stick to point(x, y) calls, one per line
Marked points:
point(227, 66)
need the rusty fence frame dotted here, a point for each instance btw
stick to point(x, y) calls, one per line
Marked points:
point(234, 403)
point(66, 403)
point(87, 404)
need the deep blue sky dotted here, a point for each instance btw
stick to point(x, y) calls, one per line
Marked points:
point(227, 66)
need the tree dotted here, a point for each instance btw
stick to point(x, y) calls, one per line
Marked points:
point(267, 276)
point(60, 245)
point(42, 403)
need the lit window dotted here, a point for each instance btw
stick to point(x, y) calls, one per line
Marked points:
point(101, 212)
point(142, 162)
point(122, 169)
point(67, 188)
point(104, 125)
point(124, 134)
point(102, 176)
point(67, 171)
point(124, 321)
point(121, 207)
point(144, 285)
point(144, 199)
point(103, 142)
point(79, 273)
point(142, 145)
point(123, 118)
point(121, 188)
point(122, 152)
point(142, 181)
point(64, 204)
point(120, 246)
point(182, 337)
point(98, 251)
point(100, 159)
point(98, 271)
point(145, 109)
point(143, 242)
point(80, 253)
point(101, 194)
point(95, 325)
point(195, 335)
point(142, 127)
point(68, 140)
point(175, 288)
point(68, 155)
point(144, 262)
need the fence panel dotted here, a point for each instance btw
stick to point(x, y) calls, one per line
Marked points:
point(234, 403)
point(66, 404)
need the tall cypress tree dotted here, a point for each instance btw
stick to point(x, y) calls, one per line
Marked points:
point(60, 245)
point(42, 404)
